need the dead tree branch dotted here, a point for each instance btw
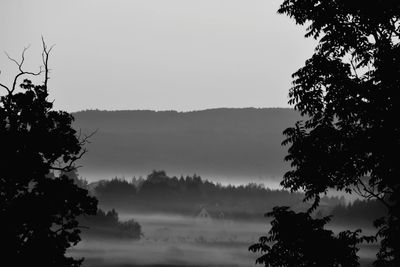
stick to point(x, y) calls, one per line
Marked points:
point(20, 64)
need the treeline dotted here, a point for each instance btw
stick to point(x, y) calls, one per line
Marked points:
point(107, 225)
point(159, 193)
point(185, 195)
point(358, 212)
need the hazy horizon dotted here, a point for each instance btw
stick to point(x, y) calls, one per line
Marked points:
point(236, 145)
point(179, 110)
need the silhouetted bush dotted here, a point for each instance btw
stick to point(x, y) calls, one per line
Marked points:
point(297, 239)
point(107, 224)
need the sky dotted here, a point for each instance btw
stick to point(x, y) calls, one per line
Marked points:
point(157, 54)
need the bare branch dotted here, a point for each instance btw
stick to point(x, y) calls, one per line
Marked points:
point(19, 64)
point(4, 86)
point(24, 73)
point(21, 71)
point(85, 139)
point(371, 194)
point(45, 60)
point(14, 60)
point(71, 165)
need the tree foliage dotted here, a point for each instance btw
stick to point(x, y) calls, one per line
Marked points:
point(297, 239)
point(38, 207)
point(348, 92)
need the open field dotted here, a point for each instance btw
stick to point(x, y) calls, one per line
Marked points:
point(171, 240)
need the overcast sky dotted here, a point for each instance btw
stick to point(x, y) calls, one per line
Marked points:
point(157, 54)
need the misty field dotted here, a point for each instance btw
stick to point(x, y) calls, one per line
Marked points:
point(177, 241)
point(173, 240)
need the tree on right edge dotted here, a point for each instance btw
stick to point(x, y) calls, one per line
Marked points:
point(348, 93)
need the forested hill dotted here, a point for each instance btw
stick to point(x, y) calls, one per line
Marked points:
point(224, 143)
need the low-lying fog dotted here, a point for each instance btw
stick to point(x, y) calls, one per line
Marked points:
point(172, 240)
point(176, 240)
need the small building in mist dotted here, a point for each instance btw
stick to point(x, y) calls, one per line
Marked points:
point(205, 216)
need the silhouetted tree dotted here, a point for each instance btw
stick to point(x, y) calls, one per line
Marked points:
point(73, 174)
point(348, 91)
point(108, 191)
point(296, 239)
point(38, 206)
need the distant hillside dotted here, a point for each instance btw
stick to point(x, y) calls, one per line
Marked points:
point(225, 143)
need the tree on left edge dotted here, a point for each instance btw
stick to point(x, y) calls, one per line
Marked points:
point(39, 204)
